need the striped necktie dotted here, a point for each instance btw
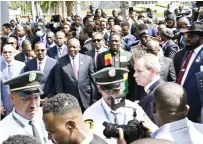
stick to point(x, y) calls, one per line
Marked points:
point(10, 74)
point(35, 131)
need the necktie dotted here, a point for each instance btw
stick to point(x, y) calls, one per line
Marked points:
point(96, 57)
point(40, 66)
point(34, 130)
point(181, 73)
point(115, 120)
point(10, 74)
point(60, 51)
point(75, 69)
point(19, 43)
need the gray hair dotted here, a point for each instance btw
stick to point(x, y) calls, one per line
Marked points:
point(151, 61)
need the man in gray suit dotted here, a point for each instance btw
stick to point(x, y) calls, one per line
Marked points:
point(73, 75)
point(167, 72)
point(44, 64)
point(98, 47)
point(10, 68)
point(60, 49)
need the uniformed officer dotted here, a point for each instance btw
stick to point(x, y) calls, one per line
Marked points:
point(108, 82)
point(26, 117)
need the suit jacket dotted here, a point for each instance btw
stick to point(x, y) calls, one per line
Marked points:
point(86, 47)
point(47, 83)
point(20, 57)
point(53, 52)
point(146, 101)
point(190, 84)
point(167, 69)
point(83, 88)
point(170, 49)
point(97, 140)
point(5, 91)
point(91, 53)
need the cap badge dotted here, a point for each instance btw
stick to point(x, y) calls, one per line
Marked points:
point(112, 73)
point(32, 76)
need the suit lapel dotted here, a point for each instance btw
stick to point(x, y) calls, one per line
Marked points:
point(80, 66)
point(70, 68)
point(4, 70)
point(158, 82)
point(46, 66)
point(197, 62)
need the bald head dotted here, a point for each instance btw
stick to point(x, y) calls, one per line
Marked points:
point(171, 99)
point(50, 34)
point(20, 31)
point(183, 23)
point(116, 28)
point(152, 141)
point(153, 47)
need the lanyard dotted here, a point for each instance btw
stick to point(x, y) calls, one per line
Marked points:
point(107, 116)
point(23, 126)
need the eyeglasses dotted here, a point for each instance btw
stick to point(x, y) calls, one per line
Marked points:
point(10, 43)
point(7, 52)
point(42, 50)
point(94, 40)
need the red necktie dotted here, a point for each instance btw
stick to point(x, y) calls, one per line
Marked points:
point(181, 73)
point(40, 66)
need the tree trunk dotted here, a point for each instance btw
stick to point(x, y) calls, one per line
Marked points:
point(71, 7)
point(124, 9)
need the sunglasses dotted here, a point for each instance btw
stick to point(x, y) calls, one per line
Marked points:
point(7, 52)
point(42, 50)
point(94, 40)
point(10, 43)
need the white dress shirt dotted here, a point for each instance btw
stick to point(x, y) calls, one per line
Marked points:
point(42, 64)
point(183, 131)
point(21, 41)
point(97, 111)
point(9, 127)
point(146, 88)
point(88, 139)
point(11, 67)
point(194, 54)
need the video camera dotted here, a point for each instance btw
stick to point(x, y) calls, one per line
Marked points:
point(132, 131)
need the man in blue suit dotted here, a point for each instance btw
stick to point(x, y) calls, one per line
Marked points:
point(44, 64)
point(60, 49)
point(188, 62)
point(10, 68)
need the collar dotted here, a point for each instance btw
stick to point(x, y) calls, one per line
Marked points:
point(100, 50)
point(163, 45)
point(146, 88)
point(12, 63)
point(43, 61)
point(22, 38)
point(108, 109)
point(88, 139)
point(60, 47)
point(51, 45)
point(77, 55)
point(173, 126)
point(87, 40)
point(196, 51)
point(23, 120)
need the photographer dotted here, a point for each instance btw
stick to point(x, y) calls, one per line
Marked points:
point(170, 111)
point(108, 83)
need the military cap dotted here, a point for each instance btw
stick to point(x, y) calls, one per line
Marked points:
point(109, 78)
point(26, 84)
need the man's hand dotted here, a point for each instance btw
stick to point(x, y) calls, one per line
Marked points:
point(121, 139)
point(149, 125)
point(2, 110)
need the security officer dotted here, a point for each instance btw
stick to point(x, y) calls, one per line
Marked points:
point(26, 117)
point(108, 82)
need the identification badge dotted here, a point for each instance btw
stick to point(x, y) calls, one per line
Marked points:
point(123, 59)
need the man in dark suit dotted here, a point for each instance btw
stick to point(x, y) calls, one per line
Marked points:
point(117, 57)
point(46, 65)
point(26, 53)
point(187, 63)
point(169, 47)
point(147, 69)
point(73, 75)
point(98, 47)
point(63, 118)
point(167, 72)
point(60, 49)
point(50, 36)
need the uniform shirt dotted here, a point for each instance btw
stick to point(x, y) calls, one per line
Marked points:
point(9, 127)
point(97, 111)
point(183, 131)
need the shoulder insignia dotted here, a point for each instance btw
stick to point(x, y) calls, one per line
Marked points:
point(89, 123)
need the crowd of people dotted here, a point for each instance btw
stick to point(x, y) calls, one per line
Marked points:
point(61, 80)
